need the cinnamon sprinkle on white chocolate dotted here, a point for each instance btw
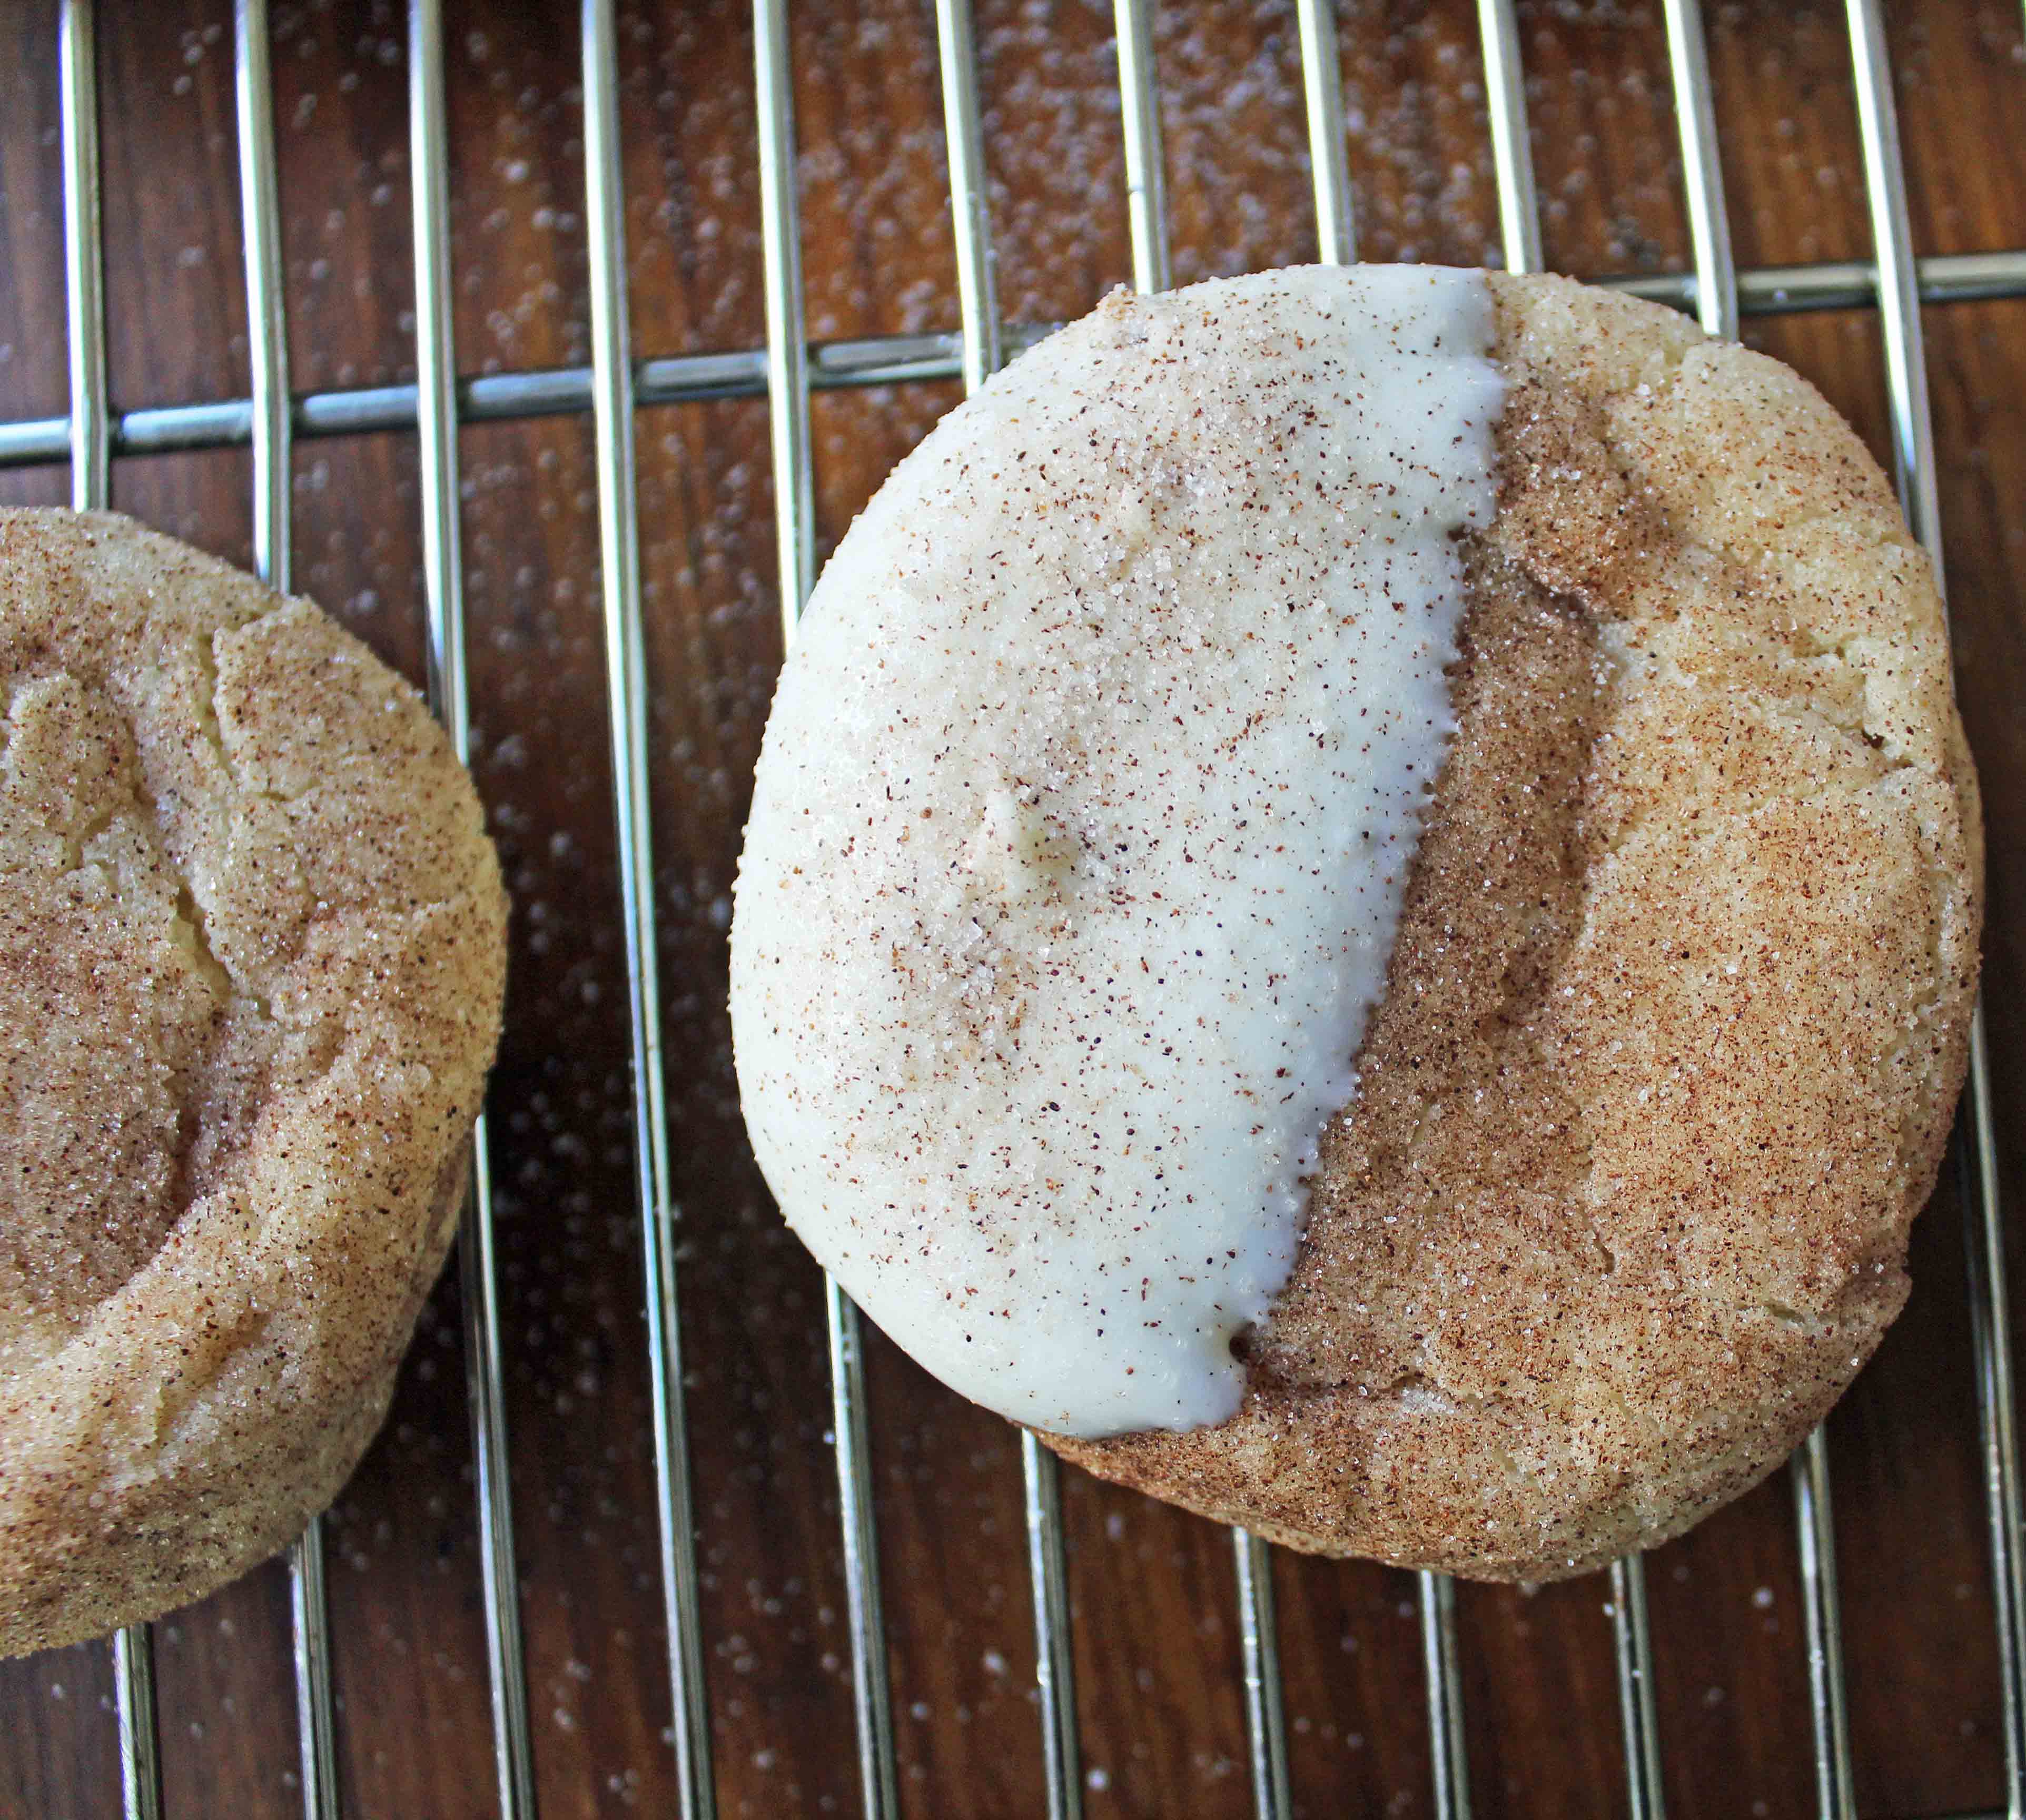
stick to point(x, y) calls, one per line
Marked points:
point(1083, 821)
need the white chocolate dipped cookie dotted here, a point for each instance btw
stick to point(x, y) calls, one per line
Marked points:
point(1361, 905)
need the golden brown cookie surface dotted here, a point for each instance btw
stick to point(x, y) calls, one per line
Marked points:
point(251, 964)
point(1679, 1006)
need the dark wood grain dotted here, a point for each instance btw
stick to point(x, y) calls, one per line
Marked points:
point(1156, 1637)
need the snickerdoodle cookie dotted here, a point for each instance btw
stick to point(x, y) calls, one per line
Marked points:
point(251, 955)
point(1495, 1176)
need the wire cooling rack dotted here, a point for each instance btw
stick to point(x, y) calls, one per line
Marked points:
point(611, 389)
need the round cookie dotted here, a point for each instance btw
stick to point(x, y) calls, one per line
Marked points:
point(252, 958)
point(1678, 1008)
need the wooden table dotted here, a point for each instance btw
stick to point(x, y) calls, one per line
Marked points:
point(1156, 1642)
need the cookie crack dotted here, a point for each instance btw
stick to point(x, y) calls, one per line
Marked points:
point(211, 723)
point(205, 652)
point(189, 931)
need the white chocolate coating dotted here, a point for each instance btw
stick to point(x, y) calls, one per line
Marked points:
point(1083, 821)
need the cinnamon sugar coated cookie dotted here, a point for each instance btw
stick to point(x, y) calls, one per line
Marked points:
point(1649, 1017)
point(252, 957)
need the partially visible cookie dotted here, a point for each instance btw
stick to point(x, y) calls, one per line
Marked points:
point(252, 958)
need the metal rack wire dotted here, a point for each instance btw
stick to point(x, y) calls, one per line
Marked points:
point(612, 389)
